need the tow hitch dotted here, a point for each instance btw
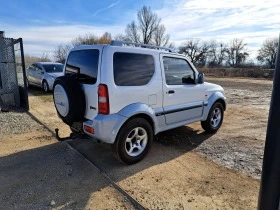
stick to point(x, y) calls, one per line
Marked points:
point(73, 135)
point(60, 138)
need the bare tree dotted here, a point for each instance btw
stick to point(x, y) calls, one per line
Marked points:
point(160, 38)
point(149, 29)
point(45, 57)
point(132, 32)
point(196, 50)
point(61, 52)
point(267, 53)
point(86, 39)
point(217, 53)
point(122, 37)
point(89, 39)
point(29, 59)
point(237, 52)
point(106, 38)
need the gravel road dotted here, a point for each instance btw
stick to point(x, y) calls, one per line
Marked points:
point(239, 144)
point(15, 122)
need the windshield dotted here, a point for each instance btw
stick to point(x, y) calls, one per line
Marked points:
point(52, 68)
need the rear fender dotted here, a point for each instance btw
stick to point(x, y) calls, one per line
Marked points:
point(139, 108)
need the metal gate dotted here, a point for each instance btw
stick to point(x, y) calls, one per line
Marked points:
point(13, 87)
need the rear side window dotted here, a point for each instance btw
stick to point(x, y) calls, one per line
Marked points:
point(83, 62)
point(133, 69)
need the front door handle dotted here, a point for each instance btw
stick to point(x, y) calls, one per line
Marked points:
point(171, 91)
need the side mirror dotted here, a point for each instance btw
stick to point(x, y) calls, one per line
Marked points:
point(200, 78)
point(42, 71)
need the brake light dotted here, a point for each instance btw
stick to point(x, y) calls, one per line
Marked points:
point(103, 99)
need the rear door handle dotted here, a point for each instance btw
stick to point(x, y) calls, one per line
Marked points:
point(171, 91)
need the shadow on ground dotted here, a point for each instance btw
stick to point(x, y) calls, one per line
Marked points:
point(51, 176)
point(167, 146)
point(32, 179)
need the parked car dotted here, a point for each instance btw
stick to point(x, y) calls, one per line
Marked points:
point(43, 74)
point(125, 93)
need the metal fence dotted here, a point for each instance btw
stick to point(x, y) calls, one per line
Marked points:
point(13, 89)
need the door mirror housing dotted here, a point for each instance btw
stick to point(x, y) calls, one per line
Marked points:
point(200, 78)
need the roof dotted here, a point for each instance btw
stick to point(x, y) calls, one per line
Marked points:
point(48, 63)
point(122, 44)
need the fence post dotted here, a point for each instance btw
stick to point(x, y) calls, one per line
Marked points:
point(270, 181)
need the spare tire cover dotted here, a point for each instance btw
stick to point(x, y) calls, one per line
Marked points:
point(61, 100)
point(69, 99)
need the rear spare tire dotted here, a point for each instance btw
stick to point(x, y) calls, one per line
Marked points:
point(69, 99)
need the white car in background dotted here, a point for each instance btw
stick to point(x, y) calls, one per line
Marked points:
point(43, 74)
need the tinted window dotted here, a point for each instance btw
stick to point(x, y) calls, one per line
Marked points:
point(177, 71)
point(133, 69)
point(52, 68)
point(83, 62)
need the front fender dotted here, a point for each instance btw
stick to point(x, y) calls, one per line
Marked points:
point(209, 103)
point(139, 108)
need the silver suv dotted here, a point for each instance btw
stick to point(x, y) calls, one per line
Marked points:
point(43, 74)
point(125, 93)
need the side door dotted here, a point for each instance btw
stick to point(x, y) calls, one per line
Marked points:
point(38, 75)
point(30, 73)
point(183, 98)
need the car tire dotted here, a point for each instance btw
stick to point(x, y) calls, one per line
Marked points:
point(69, 99)
point(214, 119)
point(45, 86)
point(133, 141)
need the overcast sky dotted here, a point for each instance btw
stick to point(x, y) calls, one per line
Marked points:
point(44, 24)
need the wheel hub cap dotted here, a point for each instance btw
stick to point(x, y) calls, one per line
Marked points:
point(216, 117)
point(136, 141)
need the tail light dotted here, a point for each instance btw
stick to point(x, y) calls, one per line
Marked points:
point(88, 129)
point(103, 99)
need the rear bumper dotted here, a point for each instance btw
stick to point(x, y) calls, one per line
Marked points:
point(106, 127)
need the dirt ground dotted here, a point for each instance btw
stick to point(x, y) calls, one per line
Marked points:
point(184, 170)
point(37, 172)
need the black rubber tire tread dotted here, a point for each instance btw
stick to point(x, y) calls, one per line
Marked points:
point(206, 125)
point(76, 98)
point(44, 81)
point(119, 145)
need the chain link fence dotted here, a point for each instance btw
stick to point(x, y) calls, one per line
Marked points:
point(13, 90)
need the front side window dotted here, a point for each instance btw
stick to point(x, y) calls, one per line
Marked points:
point(83, 62)
point(38, 69)
point(177, 71)
point(133, 69)
point(53, 68)
point(32, 67)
